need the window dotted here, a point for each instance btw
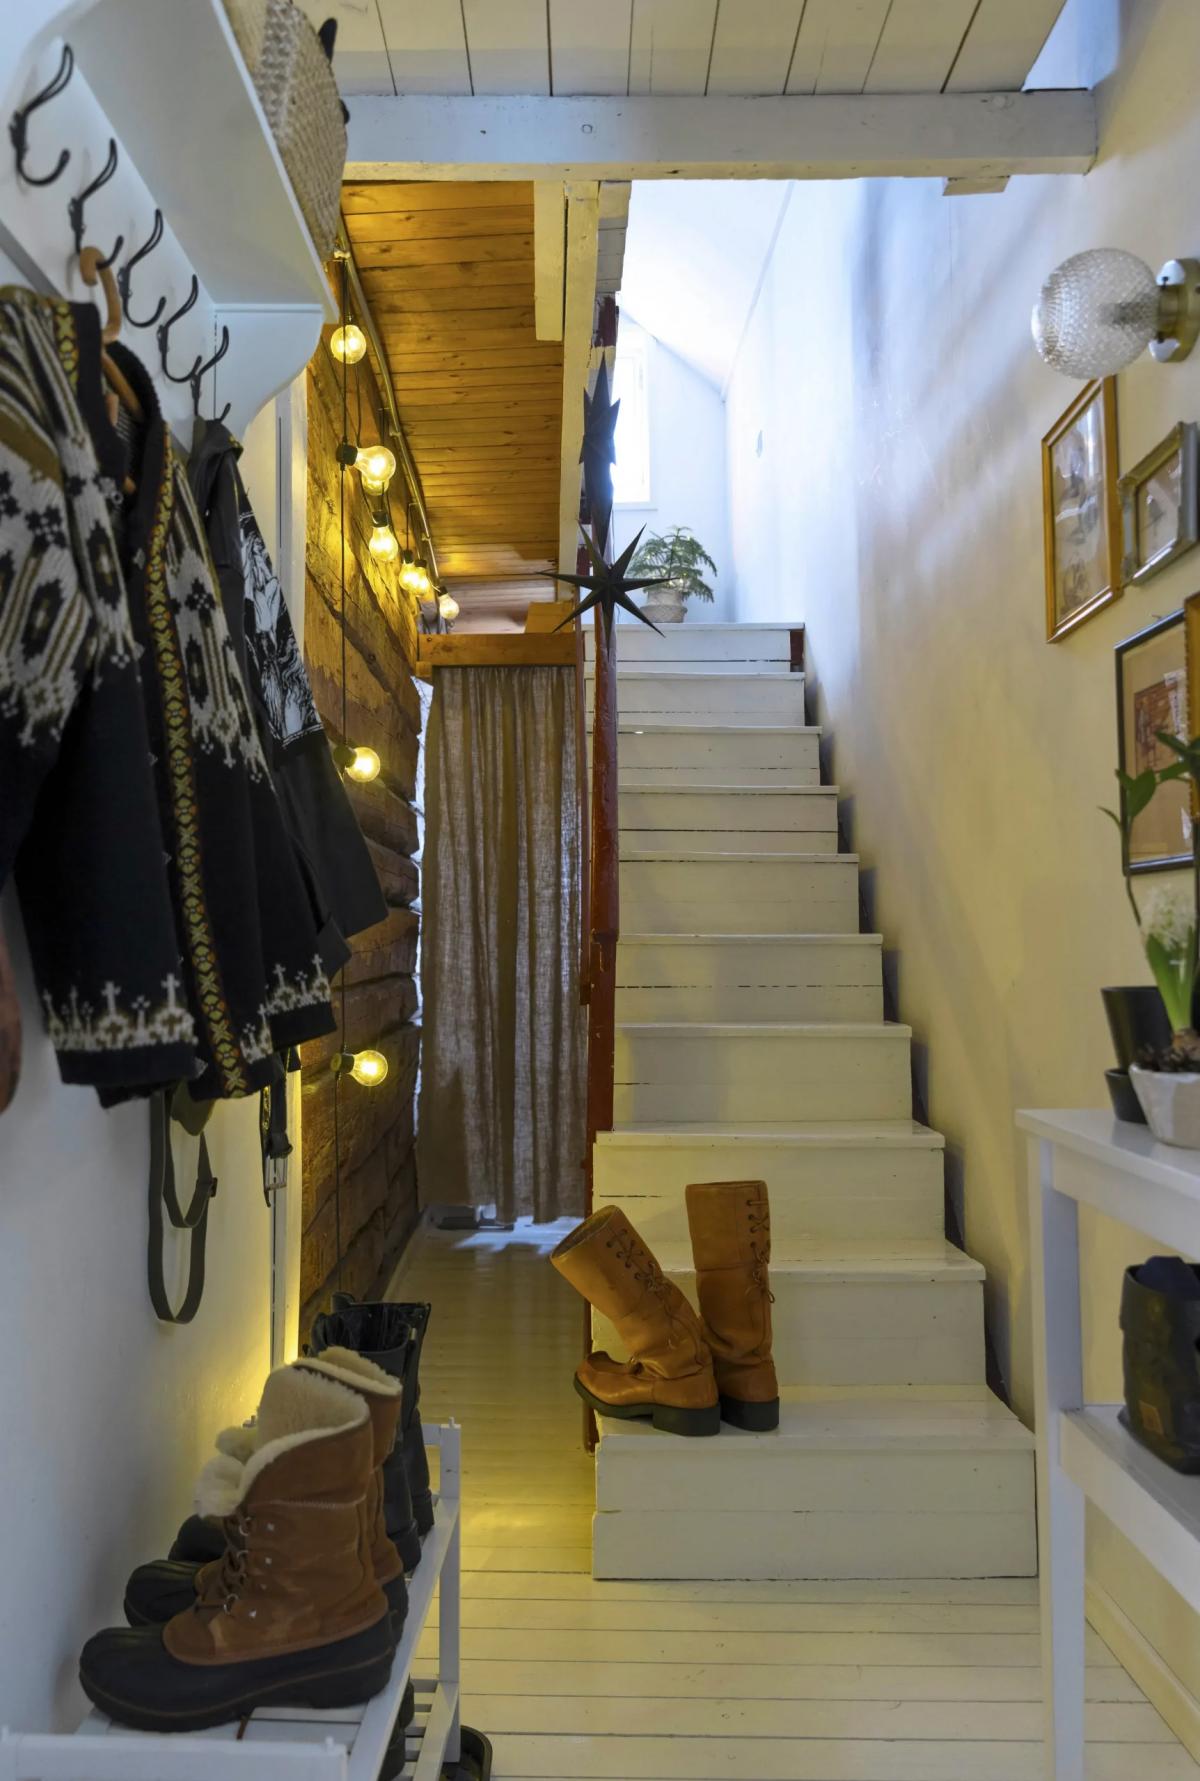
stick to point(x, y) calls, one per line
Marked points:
point(631, 473)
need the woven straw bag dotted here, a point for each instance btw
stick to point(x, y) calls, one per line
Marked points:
point(295, 84)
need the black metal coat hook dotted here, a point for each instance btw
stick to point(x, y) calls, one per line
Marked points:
point(77, 205)
point(125, 275)
point(163, 335)
point(199, 370)
point(18, 127)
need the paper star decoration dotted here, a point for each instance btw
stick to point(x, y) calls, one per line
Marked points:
point(609, 586)
point(599, 453)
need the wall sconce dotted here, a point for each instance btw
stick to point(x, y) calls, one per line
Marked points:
point(1099, 310)
point(348, 344)
point(376, 465)
point(367, 1067)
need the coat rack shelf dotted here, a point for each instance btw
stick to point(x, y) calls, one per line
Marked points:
point(297, 1744)
point(166, 80)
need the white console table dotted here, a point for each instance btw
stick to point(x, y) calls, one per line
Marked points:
point(1083, 1453)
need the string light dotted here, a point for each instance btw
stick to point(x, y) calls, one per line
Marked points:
point(383, 545)
point(421, 582)
point(409, 576)
point(364, 766)
point(376, 465)
point(369, 1068)
point(348, 344)
point(448, 607)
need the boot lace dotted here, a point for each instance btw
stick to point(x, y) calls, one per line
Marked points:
point(643, 1267)
point(233, 1573)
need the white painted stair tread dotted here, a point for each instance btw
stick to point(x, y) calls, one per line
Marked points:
point(634, 727)
point(683, 855)
point(766, 1029)
point(852, 1134)
point(700, 789)
point(832, 1262)
point(812, 1421)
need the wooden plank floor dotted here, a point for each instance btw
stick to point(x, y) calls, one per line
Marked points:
point(742, 1681)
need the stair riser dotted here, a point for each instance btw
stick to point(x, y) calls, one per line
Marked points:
point(816, 1195)
point(696, 758)
point(740, 980)
point(785, 896)
point(693, 645)
point(885, 1544)
point(732, 699)
point(862, 1332)
point(720, 822)
point(746, 1077)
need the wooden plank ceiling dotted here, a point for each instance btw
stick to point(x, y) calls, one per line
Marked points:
point(686, 46)
point(448, 272)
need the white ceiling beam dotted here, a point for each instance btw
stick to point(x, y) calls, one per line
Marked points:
point(583, 233)
point(816, 136)
point(549, 262)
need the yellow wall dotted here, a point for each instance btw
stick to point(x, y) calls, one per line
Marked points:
point(884, 420)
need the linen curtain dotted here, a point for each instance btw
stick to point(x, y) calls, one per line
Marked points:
point(503, 1075)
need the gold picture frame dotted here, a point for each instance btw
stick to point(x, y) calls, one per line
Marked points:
point(1160, 505)
point(1081, 514)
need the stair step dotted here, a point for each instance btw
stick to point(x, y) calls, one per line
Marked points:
point(908, 1314)
point(726, 1071)
point(827, 1183)
point(682, 891)
point(746, 646)
point(753, 819)
point(750, 699)
point(717, 754)
point(897, 1486)
point(801, 977)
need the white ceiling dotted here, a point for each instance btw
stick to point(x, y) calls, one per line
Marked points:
point(685, 46)
point(694, 252)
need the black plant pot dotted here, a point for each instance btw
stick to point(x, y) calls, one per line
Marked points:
point(1160, 1323)
point(1138, 1023)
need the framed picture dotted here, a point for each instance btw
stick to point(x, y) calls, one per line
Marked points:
point(1153, 695)
point(1080, 510)
point(1159, 505)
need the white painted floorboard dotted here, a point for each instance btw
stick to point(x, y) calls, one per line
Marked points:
point(812, 1681)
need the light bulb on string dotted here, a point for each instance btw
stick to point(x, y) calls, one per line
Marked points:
point(376, 465)
point(409, 577)
point(383, 544)
point(422, 585)
point(368, 1068)
point(447, 607)
point(348, 344)
point(364, 767)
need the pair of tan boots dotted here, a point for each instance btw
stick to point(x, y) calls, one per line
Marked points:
point(688, 1373)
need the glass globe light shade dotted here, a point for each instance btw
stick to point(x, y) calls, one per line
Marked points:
point(364, 767)
point(1096, 313)
point(421, 583)
point(383, 545)
point(448, 607)
point(376, 465)
point(408, 572)
point(348, 345)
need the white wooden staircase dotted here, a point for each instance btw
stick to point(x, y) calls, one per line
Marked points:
point(751, 1043)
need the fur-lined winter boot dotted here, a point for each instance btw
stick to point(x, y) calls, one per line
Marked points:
point(391, 1334)
point(292, 1615)
point(165, 1587)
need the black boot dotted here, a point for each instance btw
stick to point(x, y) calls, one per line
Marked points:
point(1160, 1318)
point(391, 1335)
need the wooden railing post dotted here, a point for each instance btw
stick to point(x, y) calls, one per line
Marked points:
point(606, 892)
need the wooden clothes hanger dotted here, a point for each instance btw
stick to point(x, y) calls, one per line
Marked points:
point(96, 270)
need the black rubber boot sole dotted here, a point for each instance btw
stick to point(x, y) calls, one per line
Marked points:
point(665, 1417)
point(132, 1677)
point(760, 1419)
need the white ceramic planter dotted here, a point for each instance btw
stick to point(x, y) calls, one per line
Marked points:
point(1171, 1103)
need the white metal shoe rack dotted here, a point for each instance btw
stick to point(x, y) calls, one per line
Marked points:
point(294, 1743)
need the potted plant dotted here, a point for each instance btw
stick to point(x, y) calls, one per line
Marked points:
point(680, 558)
point(1166, 1076)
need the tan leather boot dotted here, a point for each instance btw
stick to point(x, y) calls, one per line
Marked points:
point(293, 1614)
point(730, 1223)
point(669, 1375)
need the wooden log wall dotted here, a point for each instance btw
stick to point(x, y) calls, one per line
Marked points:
point(377, 1125)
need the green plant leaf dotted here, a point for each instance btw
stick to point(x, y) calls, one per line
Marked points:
point(1136, 792)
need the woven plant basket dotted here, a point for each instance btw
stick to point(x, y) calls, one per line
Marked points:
point(295, 84)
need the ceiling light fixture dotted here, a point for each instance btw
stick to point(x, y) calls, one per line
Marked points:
point(1100, 310)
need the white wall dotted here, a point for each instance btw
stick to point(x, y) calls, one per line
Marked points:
point(107, 1414)
point(896, 508)
point(688, 484)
